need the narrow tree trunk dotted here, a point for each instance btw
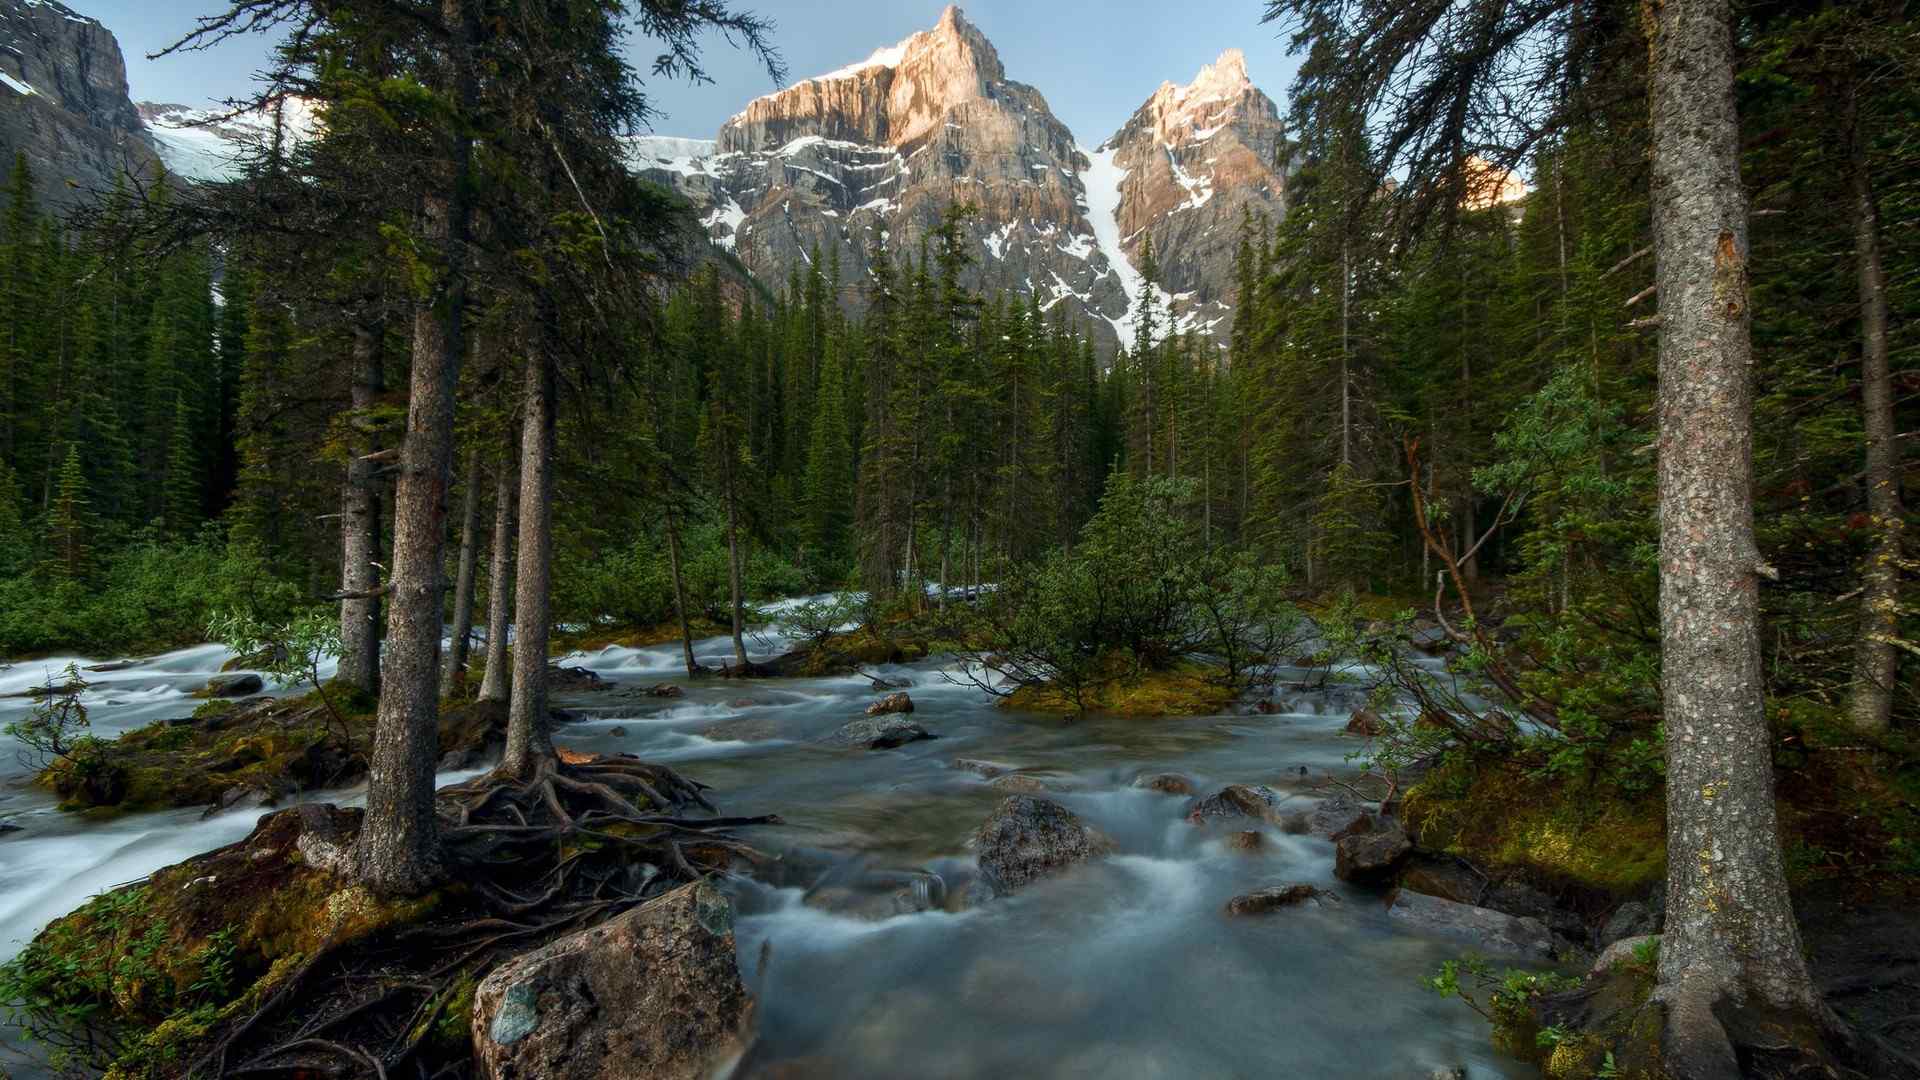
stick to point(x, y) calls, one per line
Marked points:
point(398, 851)
point(680, 590)
point(1875, 662)
point(1731, 943)
point(733, 579)
point(528, 740)
point(495, 681)
point(360, 531)
point(454, 683)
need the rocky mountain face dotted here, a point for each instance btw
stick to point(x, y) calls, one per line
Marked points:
point(203, 144)
point(64, 100)
point(877, 152)
point(1191, 163)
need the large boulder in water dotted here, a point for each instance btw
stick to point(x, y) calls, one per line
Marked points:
point(654, 993)
point(1483, 928)
point(574, 680)
point(1028, 838)
point(880, 732)
point(1372, 857)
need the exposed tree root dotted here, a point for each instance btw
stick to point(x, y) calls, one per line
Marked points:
point(534, 858)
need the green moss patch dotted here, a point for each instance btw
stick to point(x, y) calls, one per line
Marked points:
point(1558, 833)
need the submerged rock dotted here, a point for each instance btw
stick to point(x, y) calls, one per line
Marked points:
point(880, 732)
point(1275, 897)
point(1446, 878)
point(1165, 783)
point(1484, 928)
point(653, 993)
point(880, 684)
point(1372, 857)
point(663, 690)
point(1028, 838)
point(1236, 800)
point(244, 684)
point(1019, 782)
point(893, 703)
point(1245, 840)
point(987, 769)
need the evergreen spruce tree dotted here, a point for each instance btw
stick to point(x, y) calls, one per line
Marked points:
point(69, 522)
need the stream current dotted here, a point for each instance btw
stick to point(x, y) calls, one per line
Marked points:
point(1123, 967)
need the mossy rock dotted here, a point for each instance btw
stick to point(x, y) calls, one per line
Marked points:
point(268, 746)
point(1188, 690)
point(1562, 835)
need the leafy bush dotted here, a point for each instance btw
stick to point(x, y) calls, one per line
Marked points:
point(633, 585)
point(1140, 591)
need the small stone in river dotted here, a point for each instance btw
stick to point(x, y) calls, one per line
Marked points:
point(1236, 800)
point(880, 733)
point(8, 826)
point(742, 703)
point(1245, 840)
point(1165, 783)
point(892, 703)
point(983, 768)
point(1272, 898)
point(664, 690)
point(1366, 722)
point(618, 732)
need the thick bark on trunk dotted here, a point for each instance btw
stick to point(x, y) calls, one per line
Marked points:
point(398, 851)
point(460, 640)
point(528, 739)
point(680, 591)
point(1875, 662)
point(1732, 948)
point(733, 580)
point(497, 678)
point(360, 531)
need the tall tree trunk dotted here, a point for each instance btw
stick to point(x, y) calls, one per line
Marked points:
point(454, 682)
point(495, 681)
point(398, 851)
point(528, 740)
point(734, 603)
point(1875, 661)
point(360, 530)
point(1731, 942)
point(680, 590)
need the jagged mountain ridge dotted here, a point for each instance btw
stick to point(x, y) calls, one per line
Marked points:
point(64, 101)
point(878, 150)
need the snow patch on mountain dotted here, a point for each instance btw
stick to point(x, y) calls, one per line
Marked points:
point(16, 85)
point(1103, 179)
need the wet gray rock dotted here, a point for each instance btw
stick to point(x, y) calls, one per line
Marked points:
point(238, 685)
point(1028, 838)
point(1337, 819)
point(454, 760)
point(618, 731)
point(1372, 857)
point(880, 732)
point(1483, 928)
point(575, 680)
point(1443, 877)
point(655, 992)
point(1275, 897)
point(1630, 920)
point(662, 690)
point(1236, 801)
point(880, 684)
point(987, 769)
point(1623, 952)
point(1519, 898)
point(10, 827)
point(893, 703)
point(1246, 840)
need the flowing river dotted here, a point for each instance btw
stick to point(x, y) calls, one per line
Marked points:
point(1122, 967)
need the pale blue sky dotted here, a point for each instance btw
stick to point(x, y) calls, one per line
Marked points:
point(1095, 60)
